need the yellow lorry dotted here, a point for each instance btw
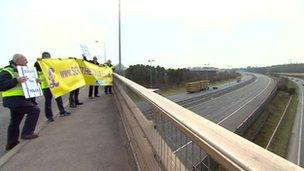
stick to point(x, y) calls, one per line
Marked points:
point(197, 86)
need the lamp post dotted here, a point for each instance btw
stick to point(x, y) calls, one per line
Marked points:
point(229, 74)
point(206, 71)
point(104, 50)
point(151, 60)
point(119, 39)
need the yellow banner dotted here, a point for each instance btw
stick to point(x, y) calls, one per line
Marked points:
point(65, 75)
point(94, 74)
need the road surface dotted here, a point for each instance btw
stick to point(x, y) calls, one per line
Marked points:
point(231, 109)
point(295, 148)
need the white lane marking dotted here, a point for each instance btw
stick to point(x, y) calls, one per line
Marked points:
point(275, 130)
point(300, 132)
point(214, 98)
point(245, 103)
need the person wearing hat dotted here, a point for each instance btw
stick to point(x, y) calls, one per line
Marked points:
point(108, 86)
point(94, 61)
point(48, 94)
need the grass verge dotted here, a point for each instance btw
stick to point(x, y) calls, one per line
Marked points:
point(281, 139)
point(174, 90)
point(269, 119)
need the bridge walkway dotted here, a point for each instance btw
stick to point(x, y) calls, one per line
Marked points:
point(92, 138)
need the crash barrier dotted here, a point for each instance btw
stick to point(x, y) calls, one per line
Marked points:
point(177, 139)
point(242, 128)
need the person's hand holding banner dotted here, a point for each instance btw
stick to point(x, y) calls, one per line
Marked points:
point(66, 75)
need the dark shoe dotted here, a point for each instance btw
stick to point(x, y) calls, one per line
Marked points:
point(28, 137)
point(10, 146)
point(72, 106)
point(51, 120)
point(79, 103)
point(97, 96)
point(65, 113)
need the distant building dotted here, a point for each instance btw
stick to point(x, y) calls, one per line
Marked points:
point(206, 73)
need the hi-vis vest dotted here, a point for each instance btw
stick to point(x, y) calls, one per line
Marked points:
point(15, 91)
point(109, 79)
point(43, 83)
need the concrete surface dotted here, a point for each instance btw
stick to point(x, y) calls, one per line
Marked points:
point(5, 118)
point(92, 138)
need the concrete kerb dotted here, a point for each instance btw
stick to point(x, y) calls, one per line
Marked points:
point(22, 143)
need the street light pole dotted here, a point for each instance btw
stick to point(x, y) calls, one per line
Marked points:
point(229, 74)
point(119, 40)
point(151, 60)
point(206, 71)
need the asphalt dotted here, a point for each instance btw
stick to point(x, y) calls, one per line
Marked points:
point(92, 138)
point(231, 109)
point(295, 149)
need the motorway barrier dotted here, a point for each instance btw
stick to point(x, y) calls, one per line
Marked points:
point(178, 139)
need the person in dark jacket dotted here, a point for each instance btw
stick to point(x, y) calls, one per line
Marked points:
point(13, 98)
point(94, 61)
point(48, 94)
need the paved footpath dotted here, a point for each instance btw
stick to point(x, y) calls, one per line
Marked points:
point(92, 138)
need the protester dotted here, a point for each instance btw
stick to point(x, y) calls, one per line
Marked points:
point(108, 87)
point(74, 100)
point(48, 94)
point(94, 61)
point(13, 98)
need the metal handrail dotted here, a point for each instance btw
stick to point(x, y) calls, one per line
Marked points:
point(227, 148)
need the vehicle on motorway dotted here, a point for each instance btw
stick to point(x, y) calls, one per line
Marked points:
point(238, 79)
point(197, 86)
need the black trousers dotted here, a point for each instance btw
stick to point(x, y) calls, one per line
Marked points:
point(48, 103)
point(74, 97)
point(108, 89)
point(95, 91)
point(17, 114)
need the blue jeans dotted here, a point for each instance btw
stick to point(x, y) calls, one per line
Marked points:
point(17, 115)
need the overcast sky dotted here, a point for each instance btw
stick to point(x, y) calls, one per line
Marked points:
point(174, 33)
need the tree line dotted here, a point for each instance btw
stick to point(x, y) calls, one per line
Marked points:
point(165, 78)
point(286, 68)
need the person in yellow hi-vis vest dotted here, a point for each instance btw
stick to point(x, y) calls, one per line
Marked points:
point(48, 94)
point(108, 85)
point(13, 98)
